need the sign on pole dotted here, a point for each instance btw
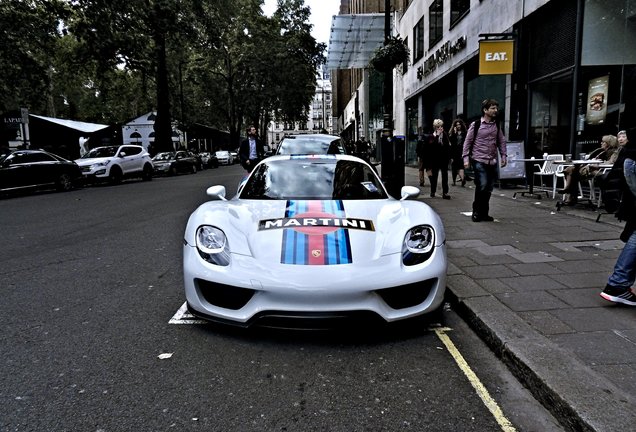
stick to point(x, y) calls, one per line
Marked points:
point(496, 57)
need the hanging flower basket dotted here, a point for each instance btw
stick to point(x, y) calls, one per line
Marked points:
point(393, 53)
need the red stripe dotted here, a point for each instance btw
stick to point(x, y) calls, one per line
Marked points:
point(315, 242)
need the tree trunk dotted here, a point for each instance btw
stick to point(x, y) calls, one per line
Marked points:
point(163, 127)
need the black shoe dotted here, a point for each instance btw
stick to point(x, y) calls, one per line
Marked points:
point(463, 182)
point(619, 295)
point(446, 196)
point(421, 183)
point(488, 218)
point(475, 218)
point(571, 202)
point(432, 195)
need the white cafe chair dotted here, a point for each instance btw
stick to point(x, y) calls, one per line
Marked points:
point(549, 169)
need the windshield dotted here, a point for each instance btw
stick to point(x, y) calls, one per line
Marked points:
point(319, 179)
point(101, 152)
point(163, 156)
point(310, 145)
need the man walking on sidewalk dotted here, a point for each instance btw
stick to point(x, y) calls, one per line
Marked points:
point(483, 139)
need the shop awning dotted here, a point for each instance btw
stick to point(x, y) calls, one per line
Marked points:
point(72, 124)
point(354, 39)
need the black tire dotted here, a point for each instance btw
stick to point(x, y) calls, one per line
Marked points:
point(147, 173)
point(193, 170)
point(173, 170)
point(116, 175)
point(64, 182)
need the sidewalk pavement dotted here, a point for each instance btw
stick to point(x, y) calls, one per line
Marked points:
point(529, 284)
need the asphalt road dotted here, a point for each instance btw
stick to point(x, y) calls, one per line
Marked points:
point(90, 280)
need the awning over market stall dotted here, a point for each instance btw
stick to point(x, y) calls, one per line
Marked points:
point(354, 39)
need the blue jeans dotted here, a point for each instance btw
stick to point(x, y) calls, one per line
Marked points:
point(624, 273)
point(629, 171)
point(485, 176)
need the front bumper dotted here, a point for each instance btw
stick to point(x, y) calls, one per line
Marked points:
point(246, 291)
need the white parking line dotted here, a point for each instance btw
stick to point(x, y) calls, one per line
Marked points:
point(182, 316)
point(481, 390)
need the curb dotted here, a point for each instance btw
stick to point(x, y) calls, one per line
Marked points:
point(577, 396)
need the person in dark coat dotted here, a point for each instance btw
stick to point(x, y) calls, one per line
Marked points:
point(252, 150)
point(457, 135)
point(437, 156)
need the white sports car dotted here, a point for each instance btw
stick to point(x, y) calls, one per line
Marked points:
point(309, 237)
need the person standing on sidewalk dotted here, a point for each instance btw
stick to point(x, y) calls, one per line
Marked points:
point(437, 156)
point(483, 139)
point(619, 284)
point(419, 152)
point(457, 135)
point(251, 151)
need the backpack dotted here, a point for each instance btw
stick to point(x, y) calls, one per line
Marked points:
point(477, 124)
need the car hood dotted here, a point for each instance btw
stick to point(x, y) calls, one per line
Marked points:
point(315, 232)
point(91, 161)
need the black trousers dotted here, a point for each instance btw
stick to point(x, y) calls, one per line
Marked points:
point(434, 176)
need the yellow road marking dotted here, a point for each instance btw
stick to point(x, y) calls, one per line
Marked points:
point(482, 392)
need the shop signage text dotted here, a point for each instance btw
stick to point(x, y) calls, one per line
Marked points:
point(496, 57)
point(441, 56)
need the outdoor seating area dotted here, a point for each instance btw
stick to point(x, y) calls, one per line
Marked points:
point(547, 176)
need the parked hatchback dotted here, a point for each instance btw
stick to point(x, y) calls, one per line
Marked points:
point(173, 163)
point(114, 163)
point(224, 157)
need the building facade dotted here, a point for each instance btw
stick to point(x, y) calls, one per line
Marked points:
point(572, 78)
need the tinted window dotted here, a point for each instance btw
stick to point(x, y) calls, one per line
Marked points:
point(313, 179)
point(24, 158)
point(130, 151)
point(309, 145)
point(100, 152)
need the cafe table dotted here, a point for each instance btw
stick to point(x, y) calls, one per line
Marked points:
point(529, 177)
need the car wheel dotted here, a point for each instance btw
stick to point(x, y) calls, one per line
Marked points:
point(147, 174)
point(64, 182)
point(173, 170)
point(193, 170)
point(116, 175)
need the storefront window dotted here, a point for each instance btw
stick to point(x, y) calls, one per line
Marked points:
point(550, 117)
point(412, 130)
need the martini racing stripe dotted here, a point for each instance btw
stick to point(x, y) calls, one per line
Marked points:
point(332, 246)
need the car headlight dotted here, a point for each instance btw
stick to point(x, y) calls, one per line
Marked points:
point(418, 245)
point(99, 164)
point(212, 245)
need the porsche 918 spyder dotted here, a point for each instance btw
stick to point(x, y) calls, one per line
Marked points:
point(310, 237)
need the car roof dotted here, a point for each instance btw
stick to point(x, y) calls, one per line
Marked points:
point(313, 157)
point(314, 137)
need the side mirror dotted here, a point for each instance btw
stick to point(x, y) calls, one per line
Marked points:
point(122, 154)
point(216, 192)
point(409, 192)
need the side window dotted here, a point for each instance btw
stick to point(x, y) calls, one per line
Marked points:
point(131, 151)
point(42, 157)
